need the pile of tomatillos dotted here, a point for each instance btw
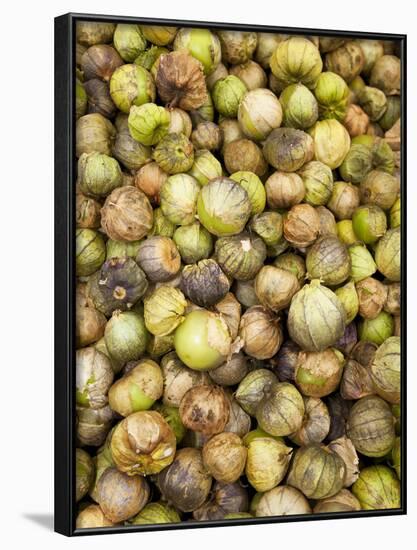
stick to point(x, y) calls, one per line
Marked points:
point(238, 275)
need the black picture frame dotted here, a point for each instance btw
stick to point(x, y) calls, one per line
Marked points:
point(65, 169)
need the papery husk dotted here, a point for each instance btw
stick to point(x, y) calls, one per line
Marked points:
point(377, 488)
point(316, 423)
point(94, 376)
point(253, 388)
point(224, 456)
point(143, 443)
point(343, 501)
point(126, 214)
point(282, 501)
point(92, 517)
point(386, 370)
point(93, 425)
point(282, 409)
point(138, 389)
point(260, 332)
point(356, 381)
point(159, 258)
point(267, 462)
point(120, 496)
point(180, 80)
point(317, 472)
point(227, 499)
point(371, 426)
point(205, 408)
point(178, 379)
point(230, 310)
point(186, 483)
point(316, 319)
point(204, 283)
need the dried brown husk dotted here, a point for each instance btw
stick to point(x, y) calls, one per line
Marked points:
point(94, 376)
point(339, 410)
point(89, 325)
point(386, 74)
point(149, 179)
point(379, 188)
point(372, 295)
point(348, 341)
point(143, 443)
point(205, 408)
point(356, 120)
point(344, 447)
point(224, 456)
point(267, 462)
point(87, 212)
point(371, 426)
point(237, 46)
point(178, 379)
point(356, 381)
point(275, 287)
point(231, 310)
point(100, 61)
point(239, 421)
point(327, 222)
point(186, 483)
point(120, 496)
point(204, 283)
point(99, 99)
point(316, 423)
point(284, 190)
point(231, 131)
point(94, 133)
point(393, 302)
point(282, 501)
point(317, 472)
point(92, 517)
point(127, 214)
point(159, 258)
point(93, 425)
point(180, 80)
point(344, 200)
point(207, 135)
point(227, 498)
point(92, 32)
point(261, 333)
point(285, 361)
point(364, 352)
point(244, 155)
point(231, 372)
point(179, 122)
point(343, 501)
point(347, 61)
point(251, 74)
point(288, 149)
point(85, 471)
point(301, 225)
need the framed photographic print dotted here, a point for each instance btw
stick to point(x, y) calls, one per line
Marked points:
point(229, 289)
